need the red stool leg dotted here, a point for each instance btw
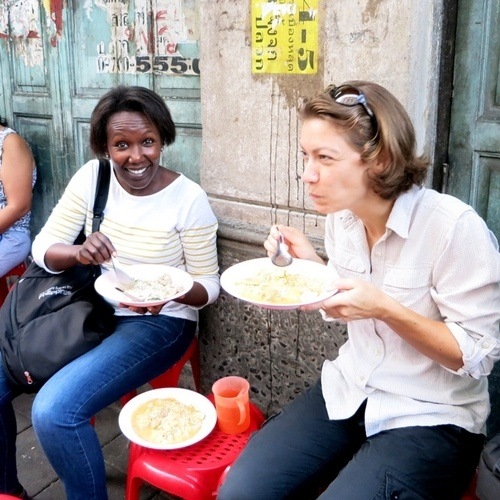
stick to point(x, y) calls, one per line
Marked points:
point(222, 477)
point(133, 487)
point(134, 482)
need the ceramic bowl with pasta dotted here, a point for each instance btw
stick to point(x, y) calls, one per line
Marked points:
point(260, 282)
point(167, 419)
point(154, 285)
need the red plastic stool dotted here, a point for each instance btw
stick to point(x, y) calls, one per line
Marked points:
point(170, 378)
point(191, 473)
point(8, 281)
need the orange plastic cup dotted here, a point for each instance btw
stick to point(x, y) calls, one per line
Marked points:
point(231, 396)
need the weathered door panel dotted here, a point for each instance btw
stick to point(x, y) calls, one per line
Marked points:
point(475, 128)
point(31, 104)
point(140, 43)
point(58, 58)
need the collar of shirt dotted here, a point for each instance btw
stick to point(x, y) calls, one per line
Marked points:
point(401, 215)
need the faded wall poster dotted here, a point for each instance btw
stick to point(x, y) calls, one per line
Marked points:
point(285, 36)
point(20, 23)
point(146, 36)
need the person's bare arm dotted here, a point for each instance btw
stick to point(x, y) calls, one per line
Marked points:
point(430, 337)
point(197, 296)
point(96, 249)
point(359, 299)
point(16, 175)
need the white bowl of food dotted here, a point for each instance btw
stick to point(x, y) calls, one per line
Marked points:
point(154, 285)
point(261, 283)
point(167, 419)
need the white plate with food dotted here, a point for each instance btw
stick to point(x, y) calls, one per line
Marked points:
point(167, 419)
point(154, 285)
point(260, 282)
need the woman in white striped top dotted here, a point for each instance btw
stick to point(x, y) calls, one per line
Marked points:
point(153, 215)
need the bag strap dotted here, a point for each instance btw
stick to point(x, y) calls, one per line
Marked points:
point(101, 193)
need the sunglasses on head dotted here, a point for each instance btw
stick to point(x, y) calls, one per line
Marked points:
point(348, 95)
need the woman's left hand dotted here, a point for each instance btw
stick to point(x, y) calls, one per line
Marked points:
point(356, 299)
point(359, 299)
point(154, 310)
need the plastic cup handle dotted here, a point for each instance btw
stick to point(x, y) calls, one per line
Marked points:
point(242, 408)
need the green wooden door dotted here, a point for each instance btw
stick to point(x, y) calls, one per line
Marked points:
point(474, 153)
point(56, 64)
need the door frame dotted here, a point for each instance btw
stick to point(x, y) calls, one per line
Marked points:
point(439, 179)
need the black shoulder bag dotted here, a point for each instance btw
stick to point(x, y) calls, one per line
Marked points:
point(48, 320)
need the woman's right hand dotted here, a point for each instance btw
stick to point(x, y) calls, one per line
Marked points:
point(96, 249)
point(297, 243)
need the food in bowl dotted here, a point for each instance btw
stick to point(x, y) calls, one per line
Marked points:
point(166, 421)
point(280, 286)
point(150, 290)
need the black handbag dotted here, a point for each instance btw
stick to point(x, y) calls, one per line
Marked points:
point(48, 320)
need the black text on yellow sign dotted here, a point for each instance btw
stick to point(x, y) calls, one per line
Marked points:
point(285, 36)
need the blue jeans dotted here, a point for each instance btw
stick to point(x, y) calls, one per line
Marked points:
point(141, 348)
point(15, 246)
point(301, 454)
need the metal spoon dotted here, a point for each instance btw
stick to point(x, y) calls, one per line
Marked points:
point(129, 295)
point(281, 257)
point(121, 276)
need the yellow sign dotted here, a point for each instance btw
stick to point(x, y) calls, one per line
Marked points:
point(285, 36)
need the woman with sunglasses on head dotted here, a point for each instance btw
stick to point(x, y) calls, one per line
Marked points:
point(401, 412)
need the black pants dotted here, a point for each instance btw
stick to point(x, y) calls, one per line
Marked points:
point(302, 454)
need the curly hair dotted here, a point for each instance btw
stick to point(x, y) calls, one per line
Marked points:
point(387, 138)
point(135, 99)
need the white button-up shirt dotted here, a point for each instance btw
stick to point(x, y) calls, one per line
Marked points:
point(438, 258)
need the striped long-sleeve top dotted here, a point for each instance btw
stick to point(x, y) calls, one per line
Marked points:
point(175, 226)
